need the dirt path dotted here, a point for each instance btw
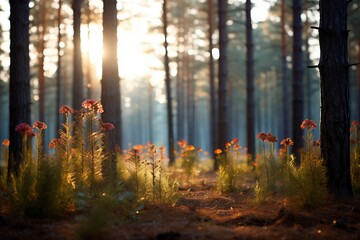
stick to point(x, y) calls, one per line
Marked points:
point(203, 213)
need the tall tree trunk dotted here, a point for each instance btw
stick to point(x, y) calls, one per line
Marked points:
point(168, 89)
point(212, 102)
point(110, 83)
point(358, 81)
point(58, 72)
point(179, 95)
point(190, 100)
point(19, 105)
point(284, 77)
point(78, 88)
point(223, 82)
point(41, 57)
point(250, 135)
point(307, 73)
point(150, 109)
point(88, 62)
point(334, 75)
point(297, 86)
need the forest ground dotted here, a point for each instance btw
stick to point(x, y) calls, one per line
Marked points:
point(203, 213)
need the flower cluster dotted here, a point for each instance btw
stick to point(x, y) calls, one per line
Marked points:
point(92, 104)
point(287, 142)
point(107, 126)
point(39, 125)
point(54, 142)
point(308, 124)
point(66, 110)
point(266, 137)
point(25, 129)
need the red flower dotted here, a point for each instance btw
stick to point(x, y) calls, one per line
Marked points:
point(271, 138)
point(31, 133)
point(308, 124)
point(355, 123)
point(218, 151)
point(23, 128)
point(92, 104)
point(262, 136)
point(66, 110)
point(6, 142)
point(182, 143)
point(107, 126)
point(235, 140)
point(317, 143)
point(39, 125)
point(287, 142)
point(352, 141)
point(54, 142)
point(227, 144)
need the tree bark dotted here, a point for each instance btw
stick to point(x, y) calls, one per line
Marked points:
point(168, 89)
point(334, 76)
point(58, 72)
point(297, 85)
point(284, 77)
point(223, 83)
point(41, 57)
point(211, 80)
point(78, 87)
point(250, 136)
point(19, 106)
point(110, 83)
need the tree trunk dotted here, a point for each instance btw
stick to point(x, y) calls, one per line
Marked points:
point(223, 101)
point(110, 83)
point(250, 136)
point(88, 62)
point(168, 89)
point(211, 80)
point(58, 72)
point(19, 105)
point(284, 77)
point(358, 81)
point(334, 84)
point(297, 86)
point(78, 88)
point(41, 57)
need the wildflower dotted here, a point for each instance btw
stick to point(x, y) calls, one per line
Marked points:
point(355, 123)
point(117, 148)
point(66, 110)
point(53, 143)
point(182, 143)
point(39, 125)
point(23, 128)
point(92, 104)
point(190, 148)
point(107, 126)
point(237, 147)
point(317, 143)
point(235, 140)
point(6, 142)
point(138, 147)
point(227, 144)
point(287, 142)
point(218, 151)
point(308, 124)
point(199, 149)
point(31, 133)
point(262, 136)
point(271, 138)
point(152, 148)
point(352, 141)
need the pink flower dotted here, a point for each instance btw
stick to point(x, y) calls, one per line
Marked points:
point(92, 104)
point(39, 125)
point(235, 140)
point(66, 110)
point(308, 124)
point(262, 136)
point(23, 128)
point(107, 126)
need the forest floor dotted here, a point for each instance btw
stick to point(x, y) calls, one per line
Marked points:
point(203, 213)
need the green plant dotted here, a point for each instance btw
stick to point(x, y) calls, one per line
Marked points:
point(306, 184)
point(231, 167)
